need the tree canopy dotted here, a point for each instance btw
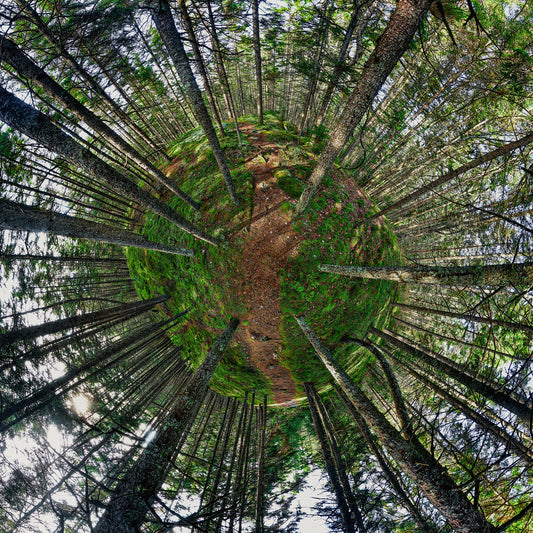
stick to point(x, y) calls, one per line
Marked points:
point(250, 250)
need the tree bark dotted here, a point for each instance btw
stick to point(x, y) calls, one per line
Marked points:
point(410, 455)
point(30, 333)
point(166, 27)
point(34, 124)
point(482, 275)
point(22, 217)
point(136, 490)
point(388, 50)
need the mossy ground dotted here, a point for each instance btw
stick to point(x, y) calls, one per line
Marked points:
point(334, 231)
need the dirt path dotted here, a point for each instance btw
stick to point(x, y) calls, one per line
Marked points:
point(270, 243)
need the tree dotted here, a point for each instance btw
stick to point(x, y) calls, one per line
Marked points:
point(166, 27)
point(257, 52)
point(10, 53)
point(137, 488)
point(30, 333)
point(26, 218)
point(484, 275)
point(414, 460)
point(394, 41)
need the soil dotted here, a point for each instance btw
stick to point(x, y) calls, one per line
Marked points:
point(271, 241)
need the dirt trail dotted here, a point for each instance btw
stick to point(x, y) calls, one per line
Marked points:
point(270, 243)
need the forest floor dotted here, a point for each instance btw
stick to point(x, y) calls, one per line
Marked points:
point(265, 270)
point(270, 242)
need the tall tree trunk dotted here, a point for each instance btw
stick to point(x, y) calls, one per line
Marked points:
point(482, 275)
point(257, 52)
point(316, 405)
point(221, 71)
point(397, 397)
point(321, 34)
point(390, 47)
point(225, 432)
point(189, 28)
point(339, 63)
point(245, 474)
point(498, 432)
point(410, 455)
point(424, 526)
point(22, 217)
point(228, 496)
point(136, 490)
point(39, 127)
point(30, 333)
point(83, 259)
point(518, 404)
point(165, 73)
point(489, 156)
point(333, 475)
point(460, 341)
point(162, 17)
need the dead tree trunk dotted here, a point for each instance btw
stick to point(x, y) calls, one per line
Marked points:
point(482, 275)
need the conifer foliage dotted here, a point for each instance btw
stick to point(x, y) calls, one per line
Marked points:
point(131, 132)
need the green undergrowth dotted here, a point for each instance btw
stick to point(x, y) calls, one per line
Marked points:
point(334, 231)
point(202, 285)
point(337, 308)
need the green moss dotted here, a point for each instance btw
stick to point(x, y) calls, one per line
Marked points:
point(335, 306)
point(293, 185)
point(336, 232)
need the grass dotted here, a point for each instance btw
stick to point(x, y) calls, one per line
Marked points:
point(201, 284)
point(335, 307)
point(334, 231)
